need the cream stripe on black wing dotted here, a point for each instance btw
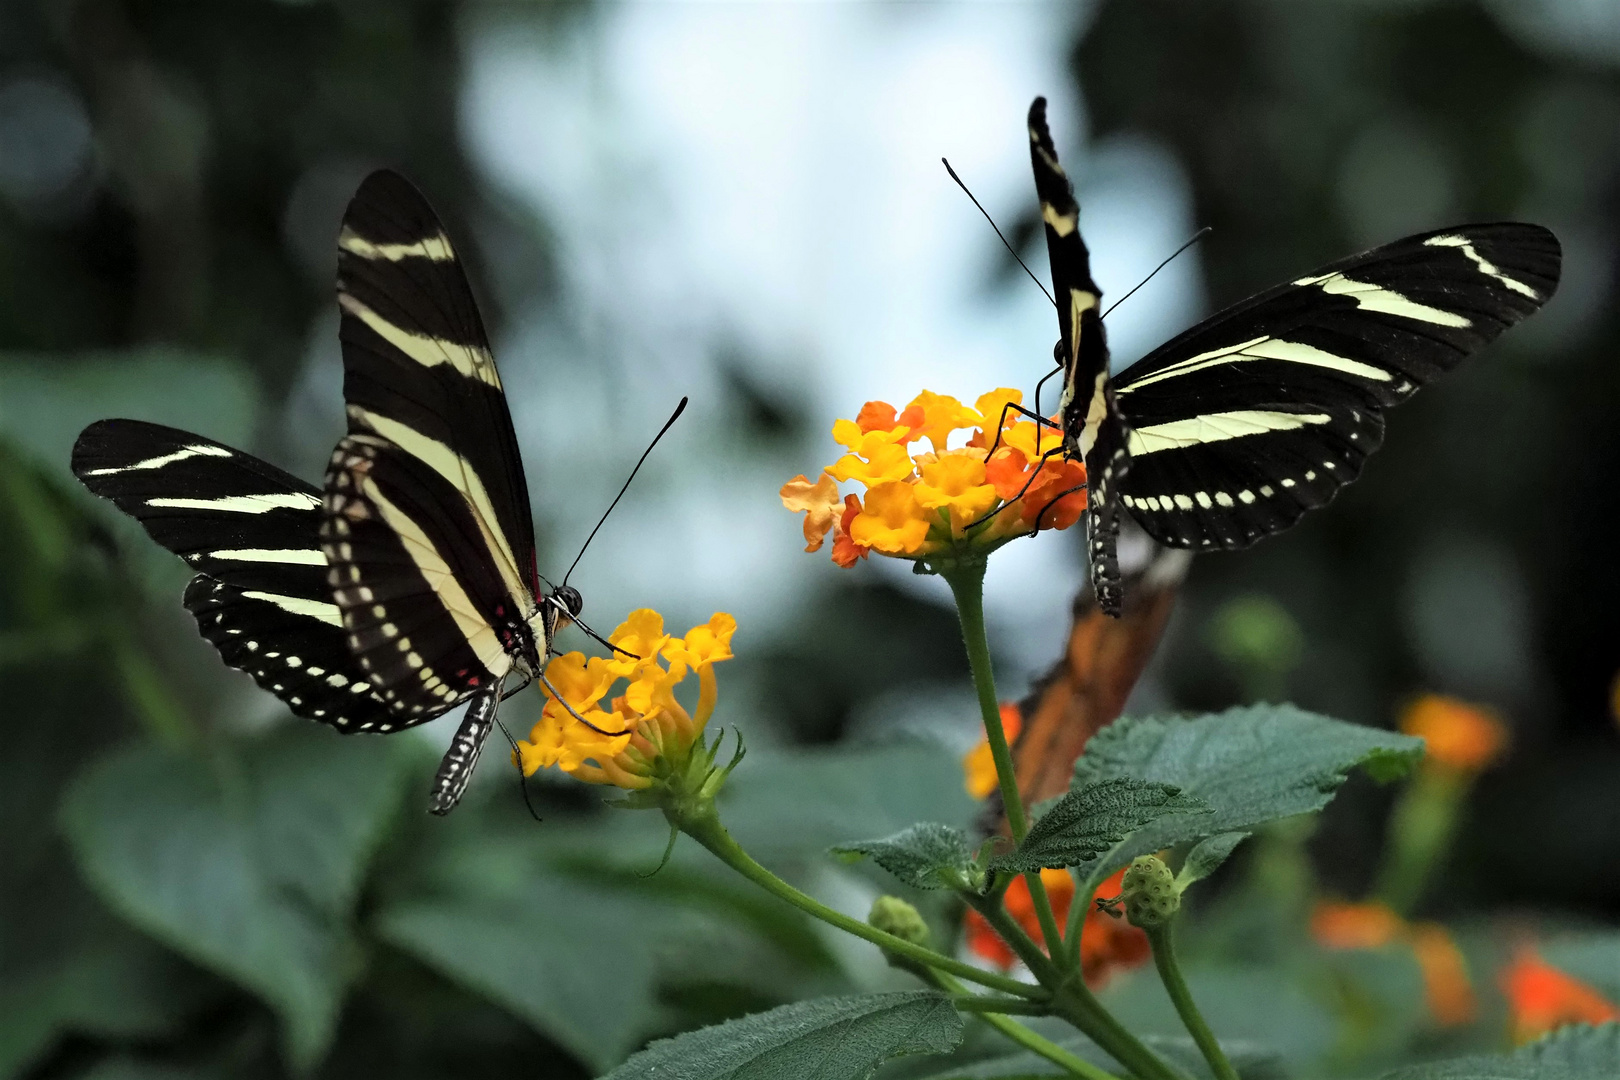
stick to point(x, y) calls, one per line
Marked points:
point(1264, 411)
point(251, 531)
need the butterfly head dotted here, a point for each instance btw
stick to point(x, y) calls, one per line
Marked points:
point(568, 601)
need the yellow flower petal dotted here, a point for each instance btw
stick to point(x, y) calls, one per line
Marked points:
point(892, 521)
point(883, 463)
point(707, 643)
point(957, 481)
point(941, 415)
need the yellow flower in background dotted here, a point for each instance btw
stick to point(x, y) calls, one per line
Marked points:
point(924, 498)
point(1460, 737)
point(647, 723)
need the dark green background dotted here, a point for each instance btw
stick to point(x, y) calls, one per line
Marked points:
point(190, 887)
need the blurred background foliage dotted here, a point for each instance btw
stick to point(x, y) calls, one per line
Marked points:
point(193, 885)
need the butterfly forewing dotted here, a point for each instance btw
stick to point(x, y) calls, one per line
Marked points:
point(427, 528)
point(1262, 412)
point(1093, 431)
point(251, 531)
point(417, 367)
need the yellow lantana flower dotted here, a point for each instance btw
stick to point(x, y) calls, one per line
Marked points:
point(936, 503)
point(648, 725)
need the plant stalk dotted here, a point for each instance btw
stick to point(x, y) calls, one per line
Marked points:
point(1164, 958)
point(1071, 1063)
point(966, 580)
point(704, 827)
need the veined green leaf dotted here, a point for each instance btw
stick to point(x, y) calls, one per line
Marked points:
point(926, 856)
point(844, 1038)
point(1207, 856)
point(1249, 765)
point(1091, 819)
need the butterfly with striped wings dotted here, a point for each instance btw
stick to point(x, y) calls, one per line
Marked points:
point(1233, 429)
point(408, 585)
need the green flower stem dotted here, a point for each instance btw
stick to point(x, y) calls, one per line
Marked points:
point(1039, 964)
point(1420, 830)
point(981, 1003)
point(966, 580)
point(1073, 1064)
point(702, 824)
point(1076, 1004)
point(1164, 958)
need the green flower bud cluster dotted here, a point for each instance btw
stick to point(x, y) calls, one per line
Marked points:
point(1150, 893)
point(894, 916)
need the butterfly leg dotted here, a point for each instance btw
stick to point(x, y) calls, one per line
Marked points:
point(1044, 458)
point(1002, 423)
point(457, 767)
point(552, 690)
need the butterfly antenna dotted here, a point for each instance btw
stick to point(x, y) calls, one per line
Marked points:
point(674, 416)
point(993, 225)
point(1197, 236)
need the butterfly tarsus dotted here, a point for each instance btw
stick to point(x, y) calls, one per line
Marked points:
point(523, 778)
point(552, 690)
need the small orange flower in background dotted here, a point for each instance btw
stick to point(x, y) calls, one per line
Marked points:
point(1542, 998)
point(1107, 945)
point(979, 766)
point(652, 721)
point(1460, 737)
point(1447, 989)
point(921, 496)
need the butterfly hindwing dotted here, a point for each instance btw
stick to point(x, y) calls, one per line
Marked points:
point(1264, 411)
point(405, 570)
point(250, 530)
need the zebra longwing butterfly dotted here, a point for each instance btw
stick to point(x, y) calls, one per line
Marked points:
point(1233, 429)
point(426, 526)
point(409, 585)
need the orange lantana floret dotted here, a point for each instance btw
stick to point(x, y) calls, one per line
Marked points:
point(1542, 998)
point(1447, 988)
point(922, 497)
point(1460, 737)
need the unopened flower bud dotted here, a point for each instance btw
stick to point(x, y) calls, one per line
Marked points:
point(894, 916)
point(1150, 893)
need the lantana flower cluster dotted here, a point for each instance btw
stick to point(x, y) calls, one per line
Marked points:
point(649, 721)
point(921, 496)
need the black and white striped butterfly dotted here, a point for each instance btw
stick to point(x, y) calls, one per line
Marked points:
point(409, 585)
point(1232, 430)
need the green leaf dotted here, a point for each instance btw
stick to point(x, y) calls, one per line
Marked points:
point(843, 1038)
point(806, 801)
point(46, 400)
point(925, 856)
point(1207, 856)
point(575, 961)
point(1252, 1061)
point(1577, 1052)
point(250, 868)
point(1091, 819)
point(1250, 765)
point(1593, 958)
